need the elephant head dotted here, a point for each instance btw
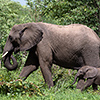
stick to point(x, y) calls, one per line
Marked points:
point(21, 37)
point(86, 72)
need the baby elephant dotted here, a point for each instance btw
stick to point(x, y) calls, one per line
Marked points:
point(91, 75)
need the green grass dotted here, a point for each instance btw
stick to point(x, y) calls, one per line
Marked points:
point(36, 89)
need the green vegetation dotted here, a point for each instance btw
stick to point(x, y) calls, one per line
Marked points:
point(34, 87)
point(61, 12)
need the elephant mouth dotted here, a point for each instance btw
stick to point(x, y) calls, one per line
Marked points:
point(16, 50)
point(80, 76)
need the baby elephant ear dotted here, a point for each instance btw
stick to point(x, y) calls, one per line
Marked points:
point(91, 72)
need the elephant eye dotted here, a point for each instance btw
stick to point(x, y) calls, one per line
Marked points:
point(81, 71)
point(14, 41)
point(11, 38)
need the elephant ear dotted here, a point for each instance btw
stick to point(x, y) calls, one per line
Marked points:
point(30, 35)
point(91, 72)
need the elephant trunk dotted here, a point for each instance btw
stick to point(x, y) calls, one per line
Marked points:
point(7, 56)
point(7, 63)
point(74, 80)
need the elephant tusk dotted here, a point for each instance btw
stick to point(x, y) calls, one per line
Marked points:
point(4, 54)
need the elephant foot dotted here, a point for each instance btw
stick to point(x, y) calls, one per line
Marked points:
point(26, 71)
point(95, 88)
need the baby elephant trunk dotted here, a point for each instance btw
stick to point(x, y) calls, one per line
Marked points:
point(75, 79)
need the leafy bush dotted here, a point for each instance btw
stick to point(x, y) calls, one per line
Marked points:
point(10, 85)
point(64, 12)
point(16, 87)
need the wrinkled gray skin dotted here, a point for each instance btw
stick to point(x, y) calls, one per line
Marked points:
point(71, 46)
point(92, 76)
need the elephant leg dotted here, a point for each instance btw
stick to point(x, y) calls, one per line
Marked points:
point(46, 71)
point(88, 83)
point(45, 60)
point(90, 56)
point(30, 65)
point(80, 83)
point(94, 86)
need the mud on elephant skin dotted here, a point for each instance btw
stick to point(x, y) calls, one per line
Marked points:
point(71, 45)
point(91, 75)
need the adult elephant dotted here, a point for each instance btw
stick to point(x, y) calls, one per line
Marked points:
point(71, 46)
